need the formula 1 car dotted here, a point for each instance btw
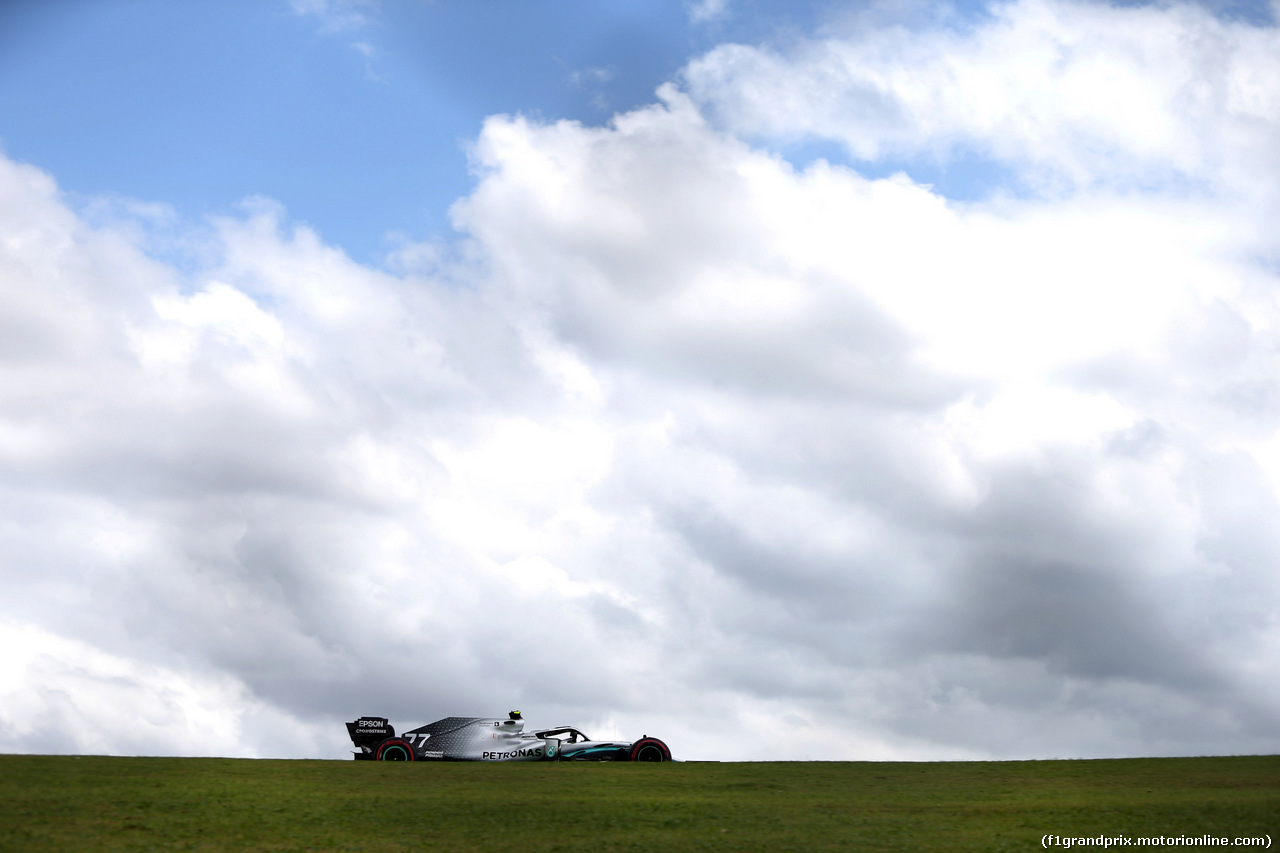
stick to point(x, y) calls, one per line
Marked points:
point(489, 739)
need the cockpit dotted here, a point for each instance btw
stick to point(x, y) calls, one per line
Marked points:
point(564, 734)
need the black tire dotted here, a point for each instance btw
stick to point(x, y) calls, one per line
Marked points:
point(649, 749)
point(394, 749)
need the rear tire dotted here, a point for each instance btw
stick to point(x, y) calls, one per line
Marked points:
point(649, 749)
point(394, 749)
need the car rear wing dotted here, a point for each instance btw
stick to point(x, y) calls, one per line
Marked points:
point(367, 732)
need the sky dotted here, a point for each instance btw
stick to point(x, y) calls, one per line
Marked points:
point(788, 381)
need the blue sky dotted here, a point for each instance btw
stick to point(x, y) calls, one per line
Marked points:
point(203, 104)
point(358, 116)
point(742, 364)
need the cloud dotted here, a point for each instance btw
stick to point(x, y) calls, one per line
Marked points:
point(1067, 94)
point(348, 16)
point(337, 15)
point(65, 697)
point(708, 10)
point(677, 437)
point(593, 81)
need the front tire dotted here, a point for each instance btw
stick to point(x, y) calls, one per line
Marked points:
point(394, 749)
point(649, 749)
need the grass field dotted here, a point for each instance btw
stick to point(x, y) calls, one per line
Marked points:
point(100, 803)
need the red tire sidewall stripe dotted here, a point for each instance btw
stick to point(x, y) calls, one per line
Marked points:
point(640, 744)
point(396, 742)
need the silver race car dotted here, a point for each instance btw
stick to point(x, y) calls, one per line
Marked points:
point(489, 739)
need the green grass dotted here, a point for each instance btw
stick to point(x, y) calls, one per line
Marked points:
point(100, 803)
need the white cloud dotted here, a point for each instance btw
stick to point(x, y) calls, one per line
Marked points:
point(63, 696)
point(337, 15)
point(347, 16)
point(1067, 94)
point(703, 11)
point(677, 438)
